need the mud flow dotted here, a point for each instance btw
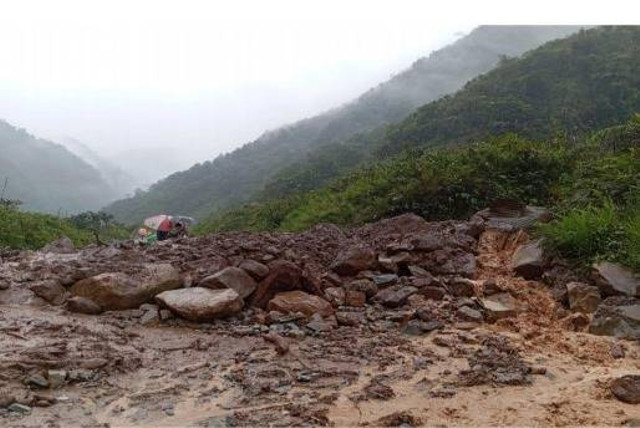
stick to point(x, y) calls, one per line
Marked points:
point(396, 323)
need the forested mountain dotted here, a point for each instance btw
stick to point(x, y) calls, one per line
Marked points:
point(47, 177)
point(560, 92)
point(241, 176)
point(566, 87)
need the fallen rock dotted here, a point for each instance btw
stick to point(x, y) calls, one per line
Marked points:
point(201, 304)
point(231, 277)
point(50, 290)
point(583, 297)
point(353, 260)
point(462, 287)
point(466, 313)
point(283, 276)
point(365, 285)
point(335, 295)
point(256, 269)
point(498, 306)
point(350, 319)
point(355, 298)
point(618, 317)
point(395, 295)
point(627, 389)
point(614, 279)
point(19, 408)
point(299, 301)
point(82, 305)
point(56, 378)
point(64, 245)
point(432, 292)
point(528, 260)
point(385, 280)
point(117, 290)
point(281, 344)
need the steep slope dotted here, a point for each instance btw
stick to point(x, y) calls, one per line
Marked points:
point(557, 93)
point(566, 87)
point(47, 177)
point(241, 175)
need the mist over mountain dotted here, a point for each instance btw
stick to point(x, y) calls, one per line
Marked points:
point(46, 176)
point(241, 175)
point(119, 179)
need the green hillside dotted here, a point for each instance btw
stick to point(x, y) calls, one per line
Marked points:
point(592, 186)
point(242, 176)
point(47, 177)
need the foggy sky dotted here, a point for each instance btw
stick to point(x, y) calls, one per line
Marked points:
point(192, 79)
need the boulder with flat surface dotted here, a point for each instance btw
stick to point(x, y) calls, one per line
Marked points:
point(231, 277)
point(395, 295)
point(528, 260)
point(498, 306)
point(118, 291)
point(201, 304)
point(616, 280)
point(256, 269)
point(353, 260)
point(299, 301)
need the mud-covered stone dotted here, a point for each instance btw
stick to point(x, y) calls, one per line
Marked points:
point(353, 260)
point(627, 389)
point(256, 269)
point(498, 306)
point(583, 297)
point(50, 290)
point(83, 305)
point(299, 301)
point(283, 276)
point(201, 304)
point(231, 277)
point(117, 290)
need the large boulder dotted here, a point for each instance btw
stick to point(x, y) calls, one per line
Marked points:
point(232, 277)
point(283, 276)
point(617, 316)
point(118, 291)
point(299, 301)
point(353, 260)
point(616, 280)
point(201, 304)
point(583, 297)
point(528, 260)
point(256, 269)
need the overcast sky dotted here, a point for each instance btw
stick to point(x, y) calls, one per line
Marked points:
point(203, 77)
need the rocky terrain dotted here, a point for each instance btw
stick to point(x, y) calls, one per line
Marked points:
point(400, 322)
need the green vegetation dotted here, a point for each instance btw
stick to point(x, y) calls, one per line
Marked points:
point(598, 216)
point(31, 231)
point(592, 186)
point(308, 153)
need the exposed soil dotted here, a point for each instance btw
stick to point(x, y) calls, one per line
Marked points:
point(531, 369)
